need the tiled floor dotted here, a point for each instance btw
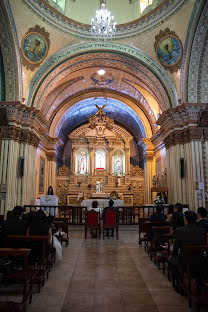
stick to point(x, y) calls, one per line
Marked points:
point(105, 276)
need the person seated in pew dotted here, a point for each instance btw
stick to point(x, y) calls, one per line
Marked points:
point(158, 215)
point(177, 219)
point(190, 234)
point(39, 226)
point(202, 218)
point(110, 208)
point(14, 225)
point(170, 213)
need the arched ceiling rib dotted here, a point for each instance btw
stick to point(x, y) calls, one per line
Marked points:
point(126, 60)
point(60, 81)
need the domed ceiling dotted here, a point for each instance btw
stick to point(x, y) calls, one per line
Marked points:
point(132, 16)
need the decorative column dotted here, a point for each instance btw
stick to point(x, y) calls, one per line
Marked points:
point(110, 160)
point(51, 171)
point(73, 160)
point(149, 168)
point(127, 146)
point(19, 186)
point(184, 131)
point(91, 160)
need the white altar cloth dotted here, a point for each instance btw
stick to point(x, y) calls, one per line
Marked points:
point(102, 203)
point(100, 195)
point(49, 200)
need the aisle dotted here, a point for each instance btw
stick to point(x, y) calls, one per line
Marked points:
point(105, 276)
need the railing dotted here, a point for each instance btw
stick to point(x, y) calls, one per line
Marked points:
point(74, 214)
point(128, 215)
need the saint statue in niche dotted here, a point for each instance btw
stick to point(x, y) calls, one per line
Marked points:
point(82, 164)
point(118, 167)
point(100, 159)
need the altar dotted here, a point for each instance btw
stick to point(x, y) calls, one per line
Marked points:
point(102, 203)
point(100, 164)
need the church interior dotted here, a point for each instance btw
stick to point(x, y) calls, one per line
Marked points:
point(101, 100)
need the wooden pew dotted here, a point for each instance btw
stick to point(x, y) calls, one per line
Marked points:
point(142, 229)
point(40, 263)
point(195, 279)
point(22, 276)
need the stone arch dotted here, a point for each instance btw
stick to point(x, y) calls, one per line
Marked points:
point(62, 56)
point(194, 86)
point(11, 54)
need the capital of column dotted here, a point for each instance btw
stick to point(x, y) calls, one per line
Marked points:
point(50, 155)
point(20, 135)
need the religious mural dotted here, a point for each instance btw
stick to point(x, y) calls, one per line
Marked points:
point(169, 50)
point(34, 47)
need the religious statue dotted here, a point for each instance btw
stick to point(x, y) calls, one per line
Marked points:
point(164, 178)
point(82, 165)
point(118, 167)
point(154, 181)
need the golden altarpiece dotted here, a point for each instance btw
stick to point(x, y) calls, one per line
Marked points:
point(100, 162)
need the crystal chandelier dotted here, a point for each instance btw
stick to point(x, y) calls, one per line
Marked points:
point(103, 25)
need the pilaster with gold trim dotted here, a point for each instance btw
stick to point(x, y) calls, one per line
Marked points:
point(149, 167)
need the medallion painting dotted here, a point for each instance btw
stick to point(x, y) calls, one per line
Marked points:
point(168, 49)
point(34, 47)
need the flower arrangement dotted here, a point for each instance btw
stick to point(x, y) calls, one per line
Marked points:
point(89, 186)
point(79, 183)
point(159, 200)
point(129, 187)
point(116, 183)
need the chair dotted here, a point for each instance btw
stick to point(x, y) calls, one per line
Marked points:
point(92, 222)
point(110, 221)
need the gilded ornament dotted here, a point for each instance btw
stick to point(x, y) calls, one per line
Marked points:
point(136, 171)
point(63, 171)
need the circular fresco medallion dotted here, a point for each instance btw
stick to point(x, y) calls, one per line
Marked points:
point(34, 47)
point(168, 49)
